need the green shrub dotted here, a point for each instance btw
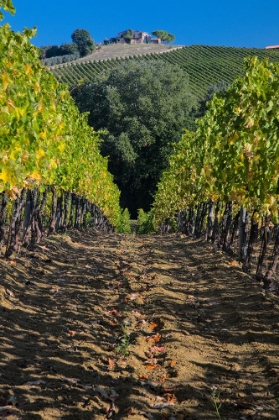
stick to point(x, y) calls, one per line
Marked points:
point(145, 222)
point(124, 225)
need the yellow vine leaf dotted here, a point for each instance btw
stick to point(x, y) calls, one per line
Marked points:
point(37, 87)
point(15, 152)
point(40, 153)
point(5, 80)
point(62, 147)
point(5, 175)
point(36, 176)
point(28, 69)
point(43, 135)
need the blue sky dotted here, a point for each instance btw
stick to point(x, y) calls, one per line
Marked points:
point(236, 23)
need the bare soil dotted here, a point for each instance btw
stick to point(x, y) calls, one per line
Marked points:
point(131, 327)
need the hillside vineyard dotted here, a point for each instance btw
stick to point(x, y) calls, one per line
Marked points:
point(206, 65)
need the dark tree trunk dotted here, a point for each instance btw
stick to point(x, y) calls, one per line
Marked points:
point(31, 202)
point(215, 231)
point(77, 224)
point(13, 242)
point(254, 231)
point(264, 242)
point(53, 218)
point(59, 214)
point(227, 228)
point(67, 209)
point(3, 214)
point(209, 226)
point(191, 222)
point(36, 223)
point(268, 277)
point(243, 234)
point(197, 221)
point(235, 229)
point(224, 219)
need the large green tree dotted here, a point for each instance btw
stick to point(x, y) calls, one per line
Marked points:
point(164, 35)
point(128, 36)
point(85, 44)
point(144, 106)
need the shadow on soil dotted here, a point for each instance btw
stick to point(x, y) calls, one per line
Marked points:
point(68, 306)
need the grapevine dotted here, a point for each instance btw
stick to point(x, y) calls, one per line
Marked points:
point(46, 144)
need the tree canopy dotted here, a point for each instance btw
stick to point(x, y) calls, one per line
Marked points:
point(128, 36)
point(144, 106)
point(164, 35)
point(85, 44)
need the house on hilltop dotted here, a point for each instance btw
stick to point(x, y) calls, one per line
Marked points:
point(137, 37)
point(272, 47)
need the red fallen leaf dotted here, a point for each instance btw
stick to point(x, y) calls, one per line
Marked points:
point(171, 398)
point(13, 262)
point(151, 367)
point(154, 325)
point(155, 349)
point(113, 324)
point(154, 338)
point(122, 363)
point(233, 263)
point(132, 296)
point(111, 363)
point(72, 333)
point(143, 376)
point(151, 361)
point(172, 362)
point(164, 378)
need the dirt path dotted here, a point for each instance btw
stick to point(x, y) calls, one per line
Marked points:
point(135, 327)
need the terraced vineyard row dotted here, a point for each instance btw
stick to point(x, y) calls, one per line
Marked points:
point(205, 65)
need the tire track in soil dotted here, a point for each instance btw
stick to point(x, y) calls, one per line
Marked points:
point(132, 327)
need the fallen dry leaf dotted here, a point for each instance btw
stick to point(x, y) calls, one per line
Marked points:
point(172, 362)
point(233, 263)
point(122, 363)
point(143, 376)
point(153, 325)
point(10, 292)
point(170, 398)
point(111, 363)
point(154, 338)
point(155, 349)
point(164, 378)
point(151, 361)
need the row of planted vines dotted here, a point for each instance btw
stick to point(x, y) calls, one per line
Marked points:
point(205, 65)
point(51, 169)
point(222, 181)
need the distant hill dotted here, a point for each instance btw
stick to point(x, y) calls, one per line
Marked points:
point(206, 65)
